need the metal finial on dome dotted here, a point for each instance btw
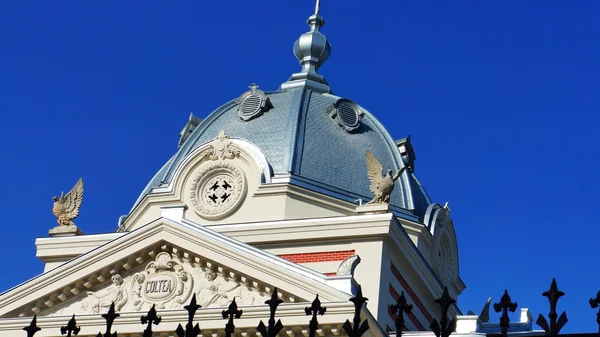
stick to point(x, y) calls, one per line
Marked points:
point(312, 50)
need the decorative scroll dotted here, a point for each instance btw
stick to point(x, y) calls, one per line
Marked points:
point(163, 283)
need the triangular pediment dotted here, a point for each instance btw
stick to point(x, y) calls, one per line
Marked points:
point(163, 263)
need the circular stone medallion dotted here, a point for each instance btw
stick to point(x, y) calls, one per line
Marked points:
point(217, 190)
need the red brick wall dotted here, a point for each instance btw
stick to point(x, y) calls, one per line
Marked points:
point(412, 316)
point(318, 257)
point(411, 293)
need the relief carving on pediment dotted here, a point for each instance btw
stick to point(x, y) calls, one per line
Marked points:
point(100, 301)
point(164, 282)
point(168, 282)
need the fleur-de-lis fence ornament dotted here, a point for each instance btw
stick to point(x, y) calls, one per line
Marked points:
point(443, 328)
point(314, 310)
point(555, 325)
point(359, 328)
point(71, 328)
point(191, 330)
point(110, 319)
point(231, 313)
point(594, 302)
point(505, 305)
point(149, 319)
point(399, 309)
point(273, 328)
point(32, 328)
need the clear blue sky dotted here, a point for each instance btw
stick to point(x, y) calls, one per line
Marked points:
point(501, 99)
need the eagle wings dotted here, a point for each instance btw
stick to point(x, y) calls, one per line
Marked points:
point(381, 186)
point(66, 208)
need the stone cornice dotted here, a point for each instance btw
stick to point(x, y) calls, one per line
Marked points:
point(66, 247)
point(323, 229)
point(306, 194)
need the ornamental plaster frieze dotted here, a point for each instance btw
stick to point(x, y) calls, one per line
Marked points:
point(163, 275)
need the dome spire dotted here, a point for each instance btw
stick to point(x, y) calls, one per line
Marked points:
point(312, 50)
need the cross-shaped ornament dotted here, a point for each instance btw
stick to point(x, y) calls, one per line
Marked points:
point(444, 328)
point(555, 325)
point(71, 328)
point(150, 319)
point(359, 328)
point(273, 328)
point(314, 310)
point(32, 328)
point(505, 305)
point(110, 319)
point(190, 329)
point(399, 309)
point(231, 313)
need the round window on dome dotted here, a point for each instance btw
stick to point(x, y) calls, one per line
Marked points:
point(348, 114)
point(252, 103)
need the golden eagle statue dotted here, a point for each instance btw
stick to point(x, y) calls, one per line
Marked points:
point(381, 186)
point(66, 208)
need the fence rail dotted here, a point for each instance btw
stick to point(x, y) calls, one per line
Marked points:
point(443, 327)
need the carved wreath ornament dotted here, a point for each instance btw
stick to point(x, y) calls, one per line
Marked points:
point(162, 281)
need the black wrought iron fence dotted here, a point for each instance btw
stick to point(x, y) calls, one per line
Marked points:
point(443, 327)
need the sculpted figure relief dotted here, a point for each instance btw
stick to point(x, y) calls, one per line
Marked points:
point(66, 207)
point(381, 186)
point(167, 282)
point(100, 301)
point(215, 292)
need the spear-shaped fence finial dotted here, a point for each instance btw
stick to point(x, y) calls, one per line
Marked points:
point(273, 328)
point(443, 328)
point(231, 313)
point(71, 328)
point(594, 302)
point(149, 319)
point(505, 305)
point(191, 330)
point(314, 310)
point(555, 325)
point(358, 329)
point(399, 309)
point(110, 319)
point(32, 328)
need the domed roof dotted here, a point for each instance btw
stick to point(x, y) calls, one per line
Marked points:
point(300, 139)
point(308, 135)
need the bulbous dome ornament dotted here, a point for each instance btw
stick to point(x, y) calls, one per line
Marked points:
point(381, 186)
point(312, 50)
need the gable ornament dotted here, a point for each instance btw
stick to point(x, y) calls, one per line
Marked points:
point(221, 149)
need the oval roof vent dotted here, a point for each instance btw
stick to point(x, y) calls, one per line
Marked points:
point(253, 103)
point(347, 114)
